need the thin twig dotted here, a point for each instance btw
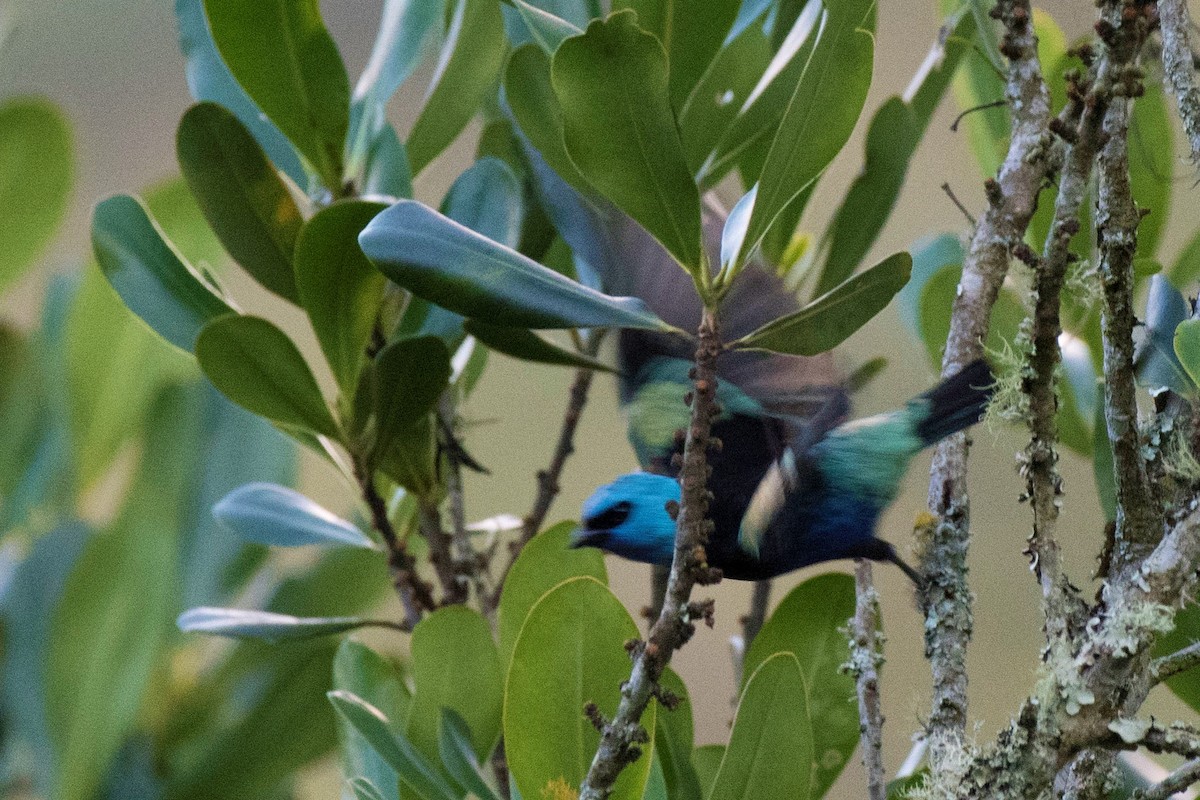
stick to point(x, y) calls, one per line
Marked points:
point(1176, 782)
point(1179, 68)
point(429, 521)
point(621, 738)
point(865, 658)
point(415, 594)
point(958, 204)
point(973, 109)
point(1180, 661)
point(1012, 200)
point(465, 560)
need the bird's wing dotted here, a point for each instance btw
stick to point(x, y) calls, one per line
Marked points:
point(789, 473)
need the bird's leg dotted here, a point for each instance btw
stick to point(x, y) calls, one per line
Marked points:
point(917, 578)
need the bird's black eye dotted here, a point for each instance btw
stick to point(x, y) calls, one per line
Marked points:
point(610, 517)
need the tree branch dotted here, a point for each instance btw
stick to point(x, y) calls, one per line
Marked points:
point(465, 561)
point(1176, 782)
point(1180, 661)
point(1012, 200)
point(429, 520)
point(621, 738)
point(1139, 524)
point(865, 659)
point(1179, 69)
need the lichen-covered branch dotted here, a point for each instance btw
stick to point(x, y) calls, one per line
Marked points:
point(1179, 69)
point(865, 658)
point(1171, 665)
point(1176, 782)
point(1012, 197)
point(622, 737)
point(1139, 524)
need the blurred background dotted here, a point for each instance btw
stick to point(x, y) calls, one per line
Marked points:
point(115, 69)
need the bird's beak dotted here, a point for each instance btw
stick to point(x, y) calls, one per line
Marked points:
point(583, 537)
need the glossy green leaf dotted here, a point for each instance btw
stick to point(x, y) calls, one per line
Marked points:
point(455, 665)
point(1187, 347)
point(471, 58)
point(106, 400)
point(458, 756)
point(387, 173)
point(414, 769)
point(576, 632)
point(36, 173)
point(489, 199)
point(409, 377)
point(674, 738)
point(528, 346)
point(266, 513)
point(771, 748)
point(37, 586)
point(364, 789)
point(339, 288)
point(828, 320)
point(112, 620)
point(361, 671)
point(691, 32)
point(707, 760)
point(258, 367)
point(535, 107)
point(820, 116)
point(719, 97)
point(283, 57)
point(210, 79)
point(545, 562)
point(236, 623)
point(755, 120)
point(404, 27)
point(458, 269)
point(241, 194)
point(808, 623)
point(1185, 685)
point(1156, 363)
point(547, 29)
point(150, 276)
point(1152, 164)
point(620, 131)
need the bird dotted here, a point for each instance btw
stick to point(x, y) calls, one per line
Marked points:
point(818, 500)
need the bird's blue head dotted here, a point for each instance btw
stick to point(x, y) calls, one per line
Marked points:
point(629, 517)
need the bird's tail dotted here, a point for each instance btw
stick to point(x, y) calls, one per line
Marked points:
point(956, 403)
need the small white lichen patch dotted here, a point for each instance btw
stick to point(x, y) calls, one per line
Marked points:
point(1131, 731)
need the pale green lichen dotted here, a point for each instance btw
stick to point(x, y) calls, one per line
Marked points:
point(1010, 366)
point(1083, 283)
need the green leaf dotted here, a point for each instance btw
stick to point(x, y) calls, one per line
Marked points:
point(283, 57)
point(460, 270)
point(820, 116)
point(828, 320)
point(404, 28)
point(364, 789)
point(409, 377)
point(620, 131)
point(148, 273)
point(361, 671)
point(1151, 164)
point(1186, 269)
point(691, 32)
point(980, 83)
point(535, 107)
point(258, 367)
point(771, 748)
point(1187, 347)
point(339, 288)
point(1156, 361)
point(807, 624)
point(471, 58)
point(547, 30)
point(936, 301)
point(36, 173)
point(112, 620)
point(528, 346)
point(413, 768)
point(1185, 685)
point(387, 173)
point(674, 738)
point(545, 562)
point(455, 666)
point(209, 79)
point(458, 756)
point(241, 195)
point(1103, 468)
point(576, 632)
point(266, 513)
point(707, 760)
point(237, 623)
